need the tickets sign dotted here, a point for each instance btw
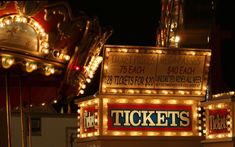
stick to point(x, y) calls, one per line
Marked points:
point(218, 121)
point(154, 69)
point(89, 119)
point(149, 117)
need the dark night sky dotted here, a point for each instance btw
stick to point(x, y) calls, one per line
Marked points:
point(132, 22)
point(135, 23)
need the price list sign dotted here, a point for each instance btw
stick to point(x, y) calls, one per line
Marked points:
point(148, 68)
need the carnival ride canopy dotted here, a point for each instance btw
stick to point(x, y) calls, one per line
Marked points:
point(46, 52)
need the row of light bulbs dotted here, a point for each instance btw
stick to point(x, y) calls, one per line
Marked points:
point(30, 66)
point(43, 36)
point(146, 91)
point(154, 51)
point(89, 72)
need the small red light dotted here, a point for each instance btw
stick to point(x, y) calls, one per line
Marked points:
point(76, 67)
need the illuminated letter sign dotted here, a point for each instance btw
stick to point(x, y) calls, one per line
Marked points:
point(149, 117)
point(218, 121)
point(89, 119)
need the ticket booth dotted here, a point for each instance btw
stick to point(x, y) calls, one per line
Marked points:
point(219, 112)
point(148, 96)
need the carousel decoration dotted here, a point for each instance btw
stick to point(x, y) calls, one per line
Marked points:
point(42, 43)
point(170, 24)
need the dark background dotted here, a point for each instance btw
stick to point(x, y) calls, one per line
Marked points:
point(133, 22)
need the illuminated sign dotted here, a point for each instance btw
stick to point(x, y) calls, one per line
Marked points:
point(218, 121)
point(154, 69)
point(149, 117)
point(89, 119)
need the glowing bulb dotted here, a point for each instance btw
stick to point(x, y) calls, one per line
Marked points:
point(177, 39)
point(49, 70)
point(81, 91)
point(30, 66)
point(88, 80)
point(45, 50)
point(7, 62)
point(66, 57)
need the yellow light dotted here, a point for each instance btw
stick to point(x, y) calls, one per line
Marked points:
point(88, 80)
point(164, 92)
point(81, 91)
point(156, 101)
point(159, 51)
point(184, 133)
point(200, 133)
point(199, 108)
point(169, 133)
point(90, 134)
point(78, 130)
point(177, 39)
point(45, 50)
point(131, 91)
point(89, 103)
point(114, 90)
point(7, 62)
point(83, 86)
point(119, 90)
point(172, 101)
point(1, 25)
point(210, 107)
point(106, 100)
point(7, 20)
point(181, 92)
point(66, 57)
point(116, 133)
point(45, 44)
point(148, 91)
point(135, 133)
point(220, 105)
point(122, 100)
point(151, 133)
point(96, 133)
point(49, 70)
point(30, 66)
point(140, 101)
point(189, 102)
point(96, 101)
point(210, 136)
point(198, 92)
